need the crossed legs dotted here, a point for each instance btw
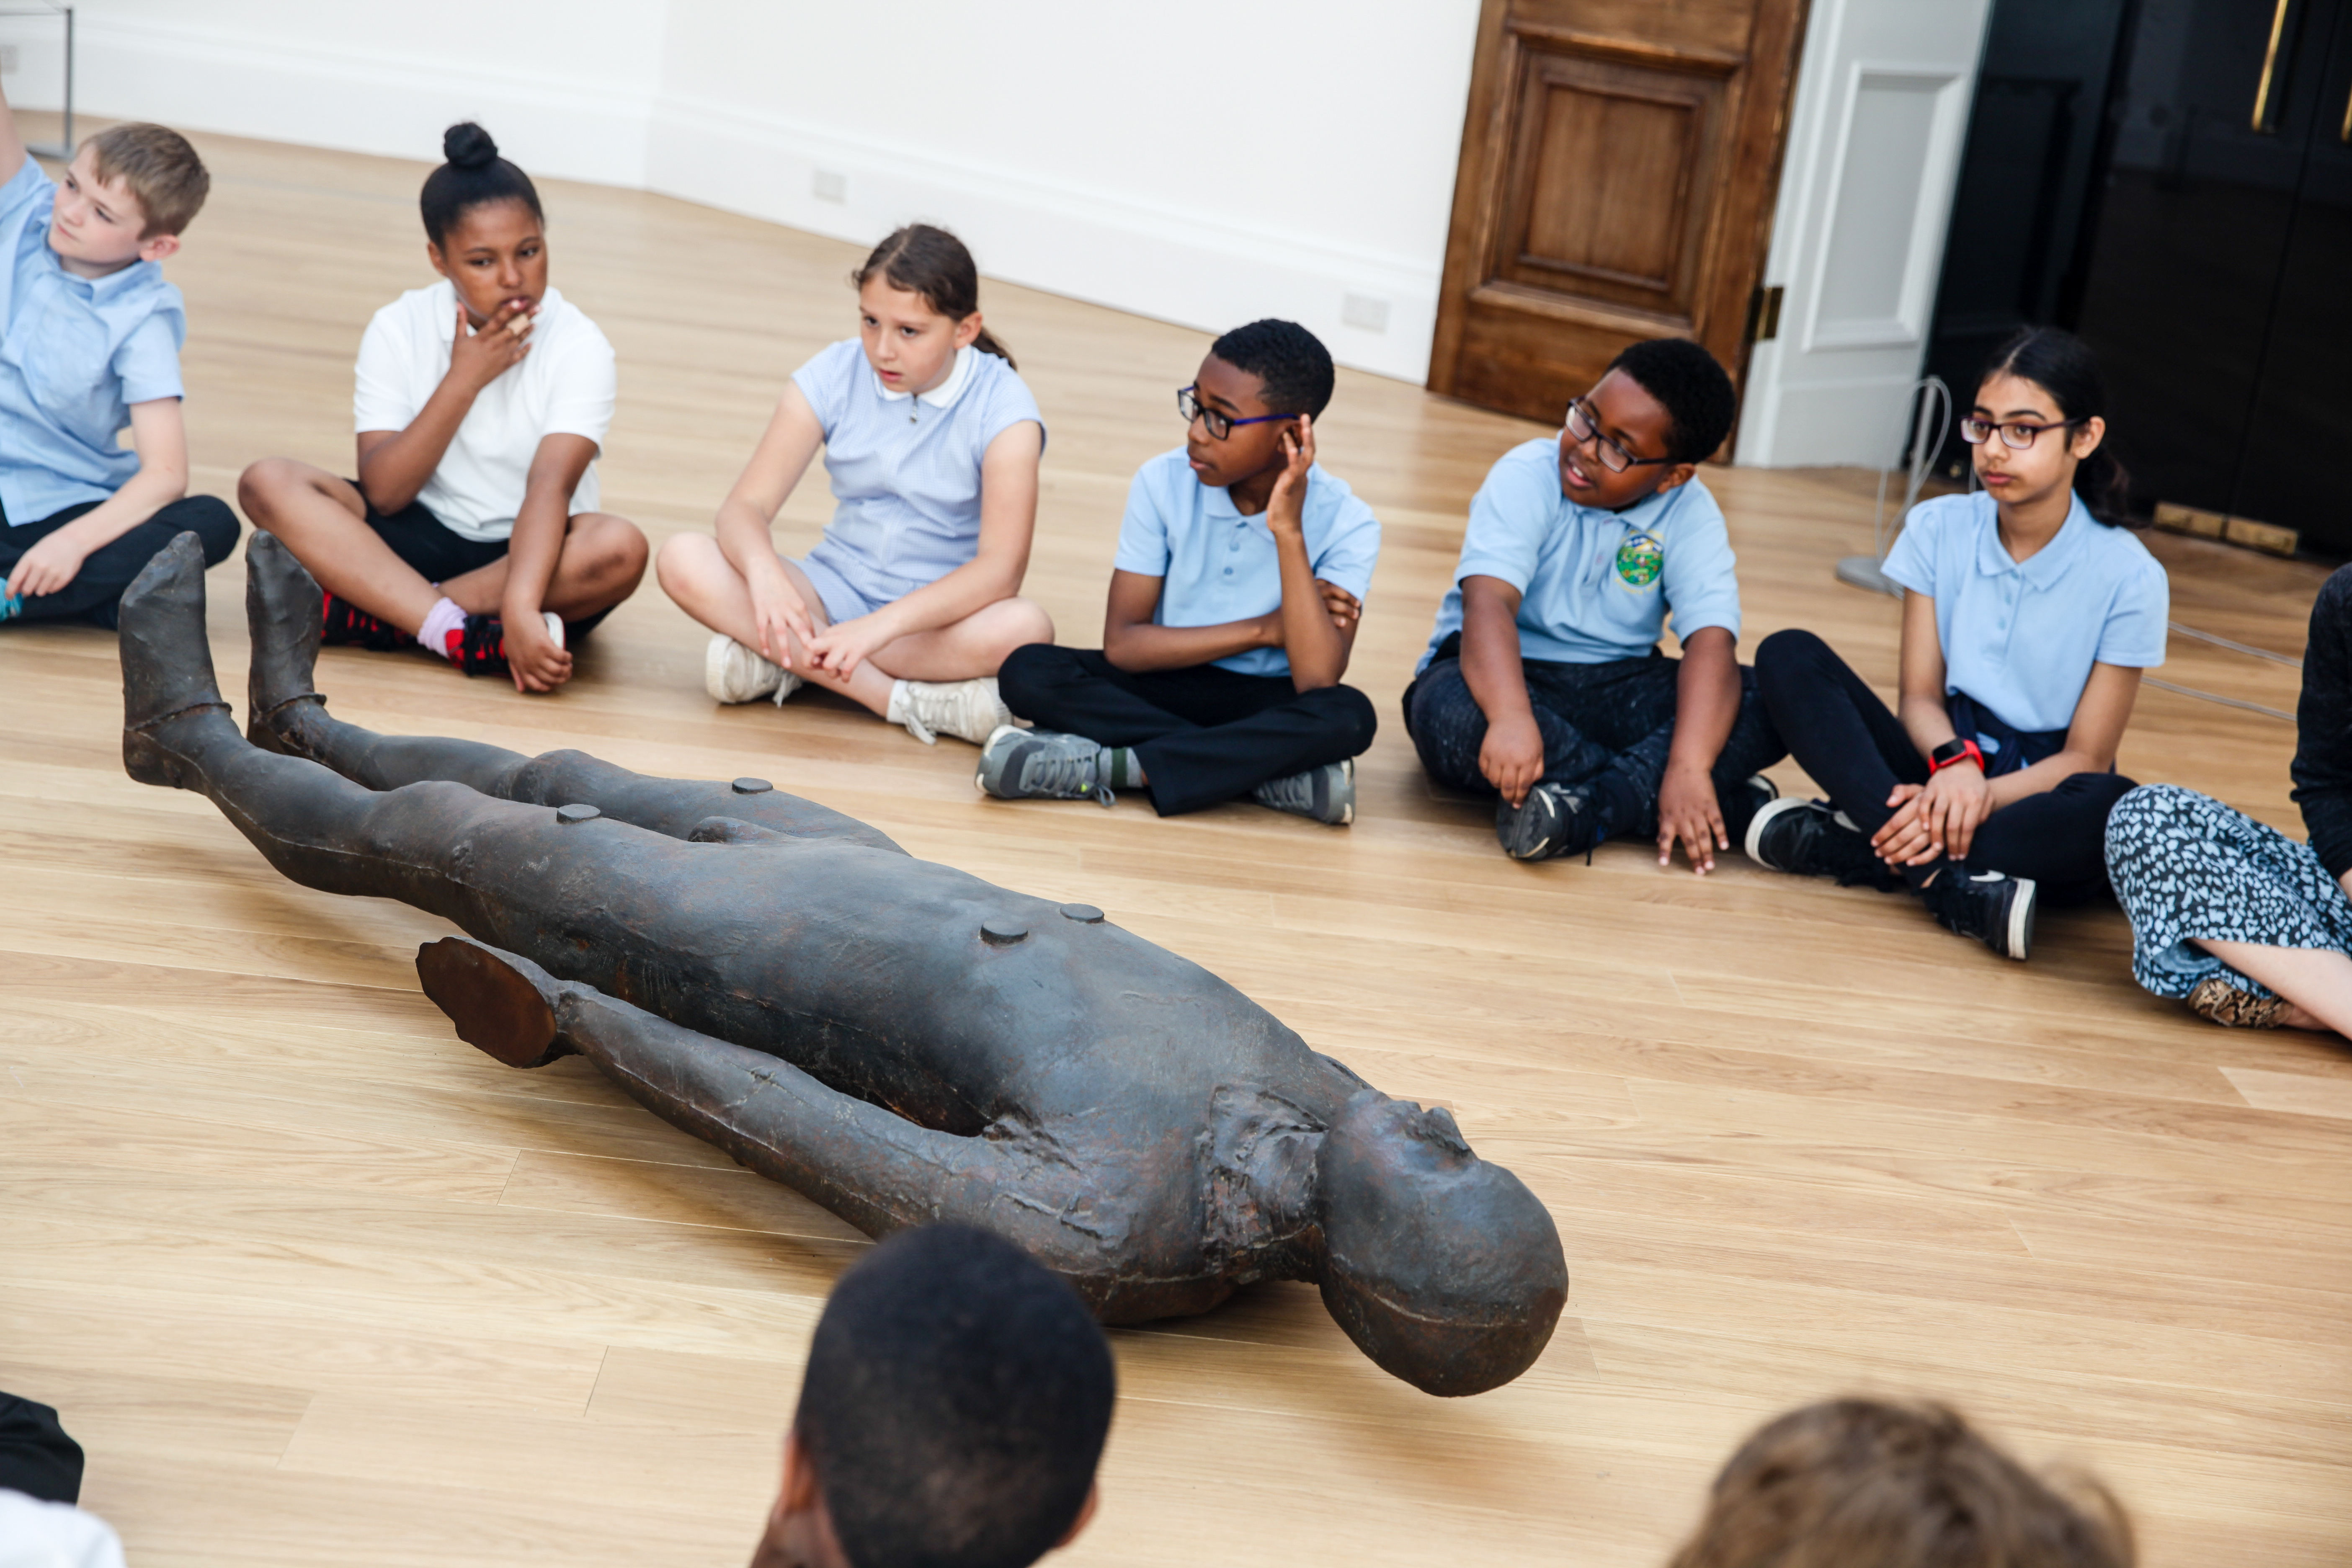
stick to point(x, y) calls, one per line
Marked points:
point(323, 520)
point(696, 574)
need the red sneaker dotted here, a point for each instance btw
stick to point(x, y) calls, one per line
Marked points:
point(344, 624)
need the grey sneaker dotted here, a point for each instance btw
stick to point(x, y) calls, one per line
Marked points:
point(733, 673)
point(1041, 765)
point(968, 709)
point(1326, 794)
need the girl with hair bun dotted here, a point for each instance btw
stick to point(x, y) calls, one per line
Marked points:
point(482, 402)
point(910, 601)
point(2028, 611)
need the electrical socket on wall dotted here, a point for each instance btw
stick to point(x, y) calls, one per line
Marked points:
point(9, 64)
point(827, 186)
point(1365, 312)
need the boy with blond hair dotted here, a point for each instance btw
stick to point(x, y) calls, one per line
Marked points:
point(90, 343)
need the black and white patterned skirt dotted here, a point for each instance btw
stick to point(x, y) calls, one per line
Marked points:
point(2187, 868)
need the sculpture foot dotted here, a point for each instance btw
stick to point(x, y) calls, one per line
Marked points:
point(167, 667)
point(282, 607)
point(502, 1005)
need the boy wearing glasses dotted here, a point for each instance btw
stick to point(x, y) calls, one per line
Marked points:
point(1234, 600)
point(1544, 682)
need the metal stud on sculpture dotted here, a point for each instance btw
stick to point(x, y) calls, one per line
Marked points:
point(899, 1040)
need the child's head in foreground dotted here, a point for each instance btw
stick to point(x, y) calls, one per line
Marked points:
point(1661, 408)
point(1856, 1483)
point(128, 193)
point(955, 1405)
point(1255, 385)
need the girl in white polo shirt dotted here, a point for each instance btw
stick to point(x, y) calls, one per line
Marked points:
point(2027, 619)
point(473, 528)
point(910, 600)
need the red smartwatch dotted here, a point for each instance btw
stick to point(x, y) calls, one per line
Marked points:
point(1955, 749)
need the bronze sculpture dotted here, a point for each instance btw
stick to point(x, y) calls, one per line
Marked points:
point(896, 1039)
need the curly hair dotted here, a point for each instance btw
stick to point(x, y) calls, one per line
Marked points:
point(1290, 362)
point(1693, 389)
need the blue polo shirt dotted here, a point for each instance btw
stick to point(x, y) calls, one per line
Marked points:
point(1595, 586)
point(2020, 637)
point(1214, 565)
point(74, 353)
point(905, 467)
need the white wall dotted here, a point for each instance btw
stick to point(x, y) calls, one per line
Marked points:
point(1205, 163)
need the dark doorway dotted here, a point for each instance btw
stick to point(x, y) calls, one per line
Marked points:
point(2172, 179)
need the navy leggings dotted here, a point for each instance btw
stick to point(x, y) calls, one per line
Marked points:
point(1609, 724)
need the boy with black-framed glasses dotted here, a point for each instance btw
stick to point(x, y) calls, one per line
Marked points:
point(1544, 682)
point(1234, 599)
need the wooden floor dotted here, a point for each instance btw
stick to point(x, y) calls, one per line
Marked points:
point(316, 1283)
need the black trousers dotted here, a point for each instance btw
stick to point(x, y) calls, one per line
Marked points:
point(1204, 734)
point(1858, 750)
point(1612, 722)
point(95, 590)
point(36, 1458)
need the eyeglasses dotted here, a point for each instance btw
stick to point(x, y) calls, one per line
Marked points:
point(1582, 427)
point(2017, 434)
point(1189, 404)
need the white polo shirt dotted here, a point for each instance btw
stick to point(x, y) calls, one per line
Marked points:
point(565, 386)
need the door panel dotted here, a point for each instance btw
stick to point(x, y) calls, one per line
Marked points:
point(1616, 166)
point(1881, 116)
point(1600, 184)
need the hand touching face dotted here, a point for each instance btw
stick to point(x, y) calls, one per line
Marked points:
point(495, 258)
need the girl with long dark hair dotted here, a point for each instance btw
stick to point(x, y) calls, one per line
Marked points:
point(911, 599)
point(2028, 611)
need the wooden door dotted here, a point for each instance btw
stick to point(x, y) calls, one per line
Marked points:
point(1618, 166)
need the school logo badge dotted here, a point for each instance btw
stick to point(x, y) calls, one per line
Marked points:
point(1640, 560)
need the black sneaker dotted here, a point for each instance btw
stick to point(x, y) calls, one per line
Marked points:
point(1997, 911)
point(1554, 820)
point(342, 624)
point(1812, 838)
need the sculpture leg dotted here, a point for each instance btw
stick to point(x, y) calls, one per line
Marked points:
point(874, 1168)
point(319, 829)
point(284, 713)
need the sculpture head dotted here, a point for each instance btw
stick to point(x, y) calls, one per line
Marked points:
point(1445, 1269)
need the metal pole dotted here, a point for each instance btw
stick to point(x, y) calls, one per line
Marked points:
point(69, 63)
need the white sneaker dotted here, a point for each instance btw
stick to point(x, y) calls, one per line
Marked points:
point(733, 673)
point(968, 709)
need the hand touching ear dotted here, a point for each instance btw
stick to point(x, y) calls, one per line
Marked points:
point(1286, 509)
